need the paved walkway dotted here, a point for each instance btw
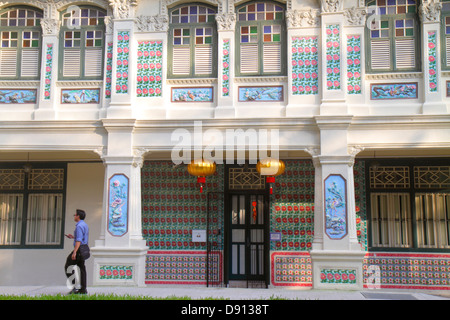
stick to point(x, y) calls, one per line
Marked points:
point(235, 293)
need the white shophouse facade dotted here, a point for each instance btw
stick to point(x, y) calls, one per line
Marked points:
point(91, 93)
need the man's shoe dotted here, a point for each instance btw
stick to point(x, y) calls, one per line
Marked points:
point(80, 291)
point(73, 291)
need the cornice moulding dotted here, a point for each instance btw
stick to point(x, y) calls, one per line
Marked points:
point(259, 79)
point(19, 83)
point(83, 83)
point(191, 81)
point(392, 76)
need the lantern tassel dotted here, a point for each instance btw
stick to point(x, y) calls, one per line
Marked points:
point(201, 180)
point(270, 180)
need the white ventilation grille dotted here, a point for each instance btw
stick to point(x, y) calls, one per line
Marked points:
point(405, 55)
point(71, 63)
point(381, 54)
point(8, 63)
point(249, 58)
point(272, 58)
point(93, 63)
point(203, 60)
point(181, 60)
point(30, 63)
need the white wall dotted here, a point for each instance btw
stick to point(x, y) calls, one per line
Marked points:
point(46, 266)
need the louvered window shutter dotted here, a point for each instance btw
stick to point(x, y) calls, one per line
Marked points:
point(181, 60)
point(71, 64)
point(8, 63)
point(203, 60)
point(93, 62)
point(380, 54)
point(249, 58)
point(30, 63)
point(447, 50)
point(405, 56)
point(272, 58)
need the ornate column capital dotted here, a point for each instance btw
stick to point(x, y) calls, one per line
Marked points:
point(430, 11)
point(355, 16)
point(123, 9)
point(226, 21)
point(50, 26)
point(332, 6)
point(158, 23)
point(302, 18)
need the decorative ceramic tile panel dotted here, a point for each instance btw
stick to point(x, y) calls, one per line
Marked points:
point(432, 63)
point(177, 267)
point(338, 276)
point(18, 96)
point(292, 207)
point(226, 68)
point(335, 201)
point(116, 272)
point(123, 56)
point(305, 66)
point(172, 205)
point(333, 56)
point(118, 192)
point(388, 91)
point(109, 62)
point(149, 69)
point(354, 64)
point(409, 270)
point(48, 71)
point(260, 94)
point(291, 269)
point(80, 96)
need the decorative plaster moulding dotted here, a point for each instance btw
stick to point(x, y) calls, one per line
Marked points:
point(191, 81)
point(80, 84)
point(19, 84)
point(259, 79)
point(393, 76)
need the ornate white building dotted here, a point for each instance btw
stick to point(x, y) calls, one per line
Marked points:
point(96, 95)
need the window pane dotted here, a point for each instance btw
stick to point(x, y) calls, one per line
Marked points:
point(44, 219)
point(11, 207)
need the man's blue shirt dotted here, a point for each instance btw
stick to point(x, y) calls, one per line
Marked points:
point(81, 233)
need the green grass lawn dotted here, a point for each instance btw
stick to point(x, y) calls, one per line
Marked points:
point(68, 297)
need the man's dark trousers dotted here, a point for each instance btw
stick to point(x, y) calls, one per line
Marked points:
point(79, 261)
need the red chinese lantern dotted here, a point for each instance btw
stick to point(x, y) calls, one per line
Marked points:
point(270, 168)
point(201, 168)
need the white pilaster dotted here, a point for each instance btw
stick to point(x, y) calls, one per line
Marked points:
point(335, 247)
point(121, 246)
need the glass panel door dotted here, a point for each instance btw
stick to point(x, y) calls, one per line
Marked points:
point(247, 237)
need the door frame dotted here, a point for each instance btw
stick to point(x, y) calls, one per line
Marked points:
point(227, 225)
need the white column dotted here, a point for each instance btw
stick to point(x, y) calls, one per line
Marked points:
point(434, 91)
point(123, 80)
point(225, 65)
point(335, 249)
point(121, 245)
point(332, 57)
point(49, 70)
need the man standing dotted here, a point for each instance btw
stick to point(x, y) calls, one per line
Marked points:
point(77, 256)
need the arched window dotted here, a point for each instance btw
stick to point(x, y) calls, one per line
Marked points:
point(21, 41)
point(82, 43)
point(193, 41)
point(261, 39)
point(393, 36)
